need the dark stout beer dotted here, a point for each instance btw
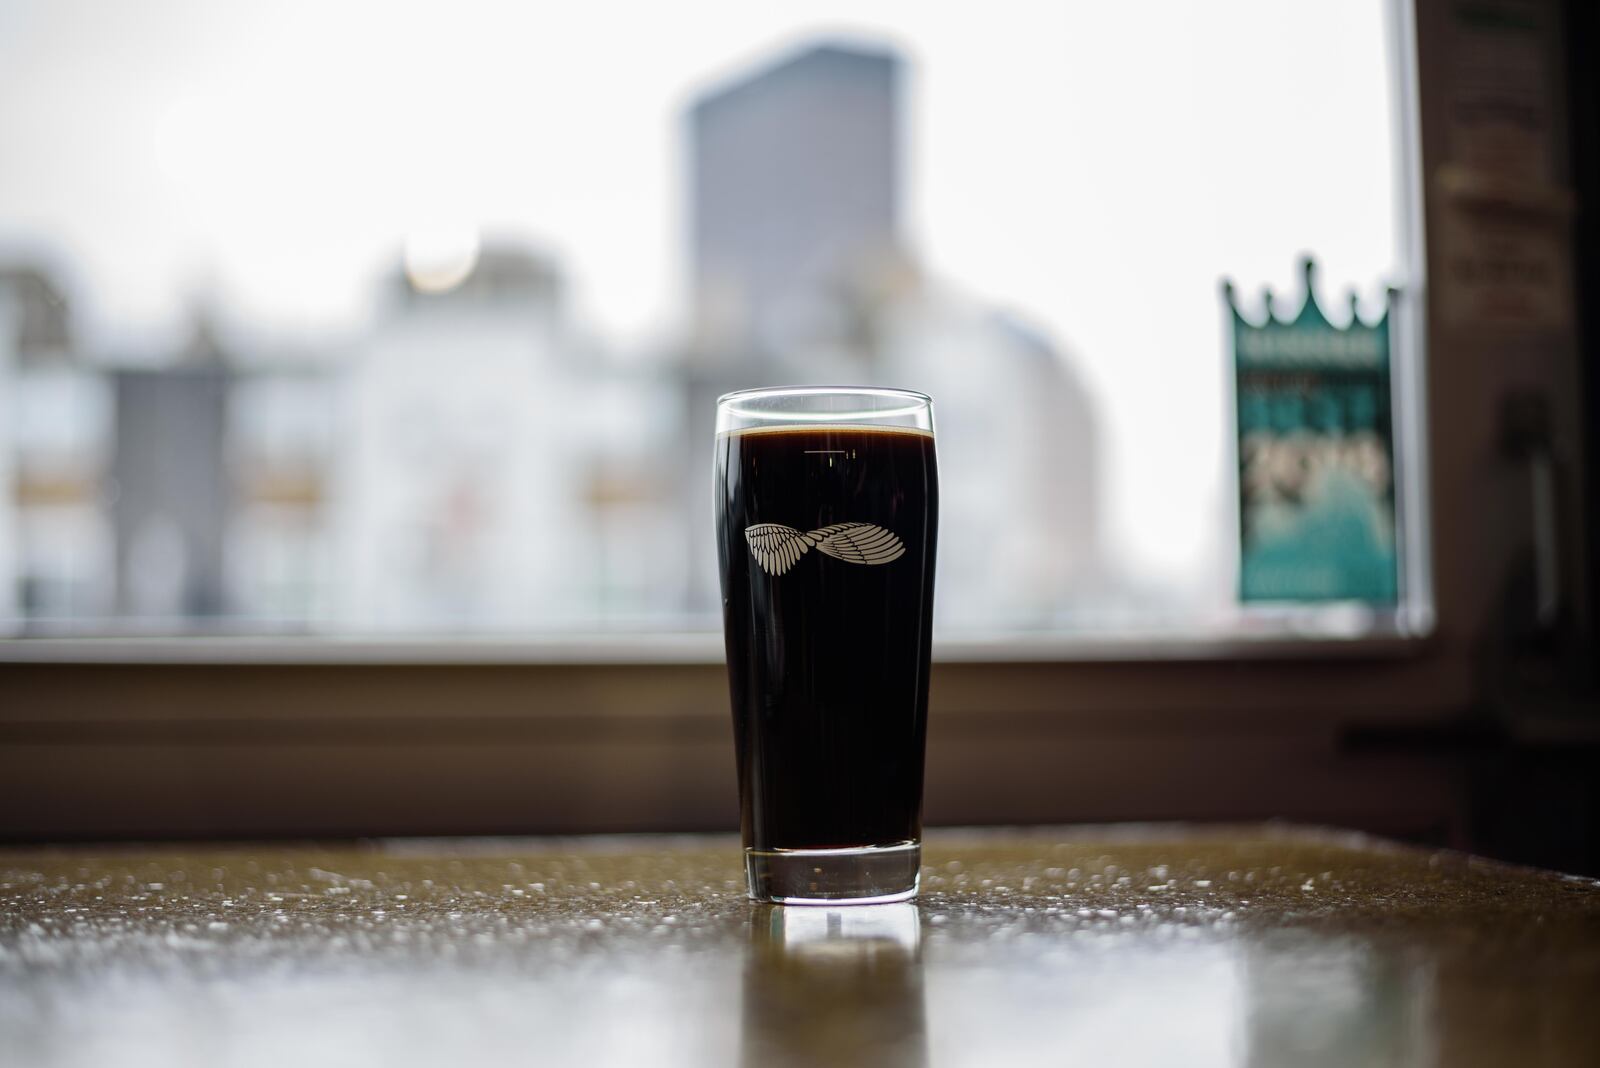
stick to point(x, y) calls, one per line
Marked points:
point(826, 541)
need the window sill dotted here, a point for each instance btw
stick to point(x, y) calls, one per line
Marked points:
point(135, 737)
point(699, 647)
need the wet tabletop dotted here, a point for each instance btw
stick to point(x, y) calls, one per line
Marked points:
point(1083, 946)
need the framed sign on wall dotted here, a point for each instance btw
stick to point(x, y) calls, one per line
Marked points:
point(1316, 455)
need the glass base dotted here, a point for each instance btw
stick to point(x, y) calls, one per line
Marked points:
point(865, 875)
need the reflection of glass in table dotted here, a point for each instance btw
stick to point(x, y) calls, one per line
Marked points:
point(836, 986)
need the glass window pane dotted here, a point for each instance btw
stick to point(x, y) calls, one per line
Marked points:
point(364, 320)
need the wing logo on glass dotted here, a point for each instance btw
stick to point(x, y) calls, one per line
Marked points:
point(777, 548)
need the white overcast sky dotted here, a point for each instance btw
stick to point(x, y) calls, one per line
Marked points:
point(1097, 166)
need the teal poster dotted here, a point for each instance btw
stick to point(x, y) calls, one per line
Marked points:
point(1316, 455)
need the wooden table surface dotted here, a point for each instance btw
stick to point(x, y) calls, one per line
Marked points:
point(1265, 946)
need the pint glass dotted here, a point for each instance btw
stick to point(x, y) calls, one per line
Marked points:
point(827, 513)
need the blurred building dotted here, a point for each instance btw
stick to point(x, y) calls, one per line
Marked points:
point(794, 190)
point(492, 472)
point(55, 418)
point(281, 442)
point(472, 462)
point(1018, 525)
point(173, 494)
point(158, 488)
point(802, 274)
point(469, 462)
point(38, 323)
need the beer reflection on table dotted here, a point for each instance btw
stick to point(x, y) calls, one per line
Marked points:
point(836, 986)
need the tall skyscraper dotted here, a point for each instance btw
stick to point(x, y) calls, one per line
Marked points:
point(800, 275)
point(795, 193)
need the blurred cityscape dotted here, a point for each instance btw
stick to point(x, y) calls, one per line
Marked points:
point(475, 460)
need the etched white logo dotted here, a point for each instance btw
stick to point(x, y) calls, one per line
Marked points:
point(777, 548)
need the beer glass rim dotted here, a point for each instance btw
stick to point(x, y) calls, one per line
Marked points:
point(799, 406)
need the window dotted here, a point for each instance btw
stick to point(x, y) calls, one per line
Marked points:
point(357, 321)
